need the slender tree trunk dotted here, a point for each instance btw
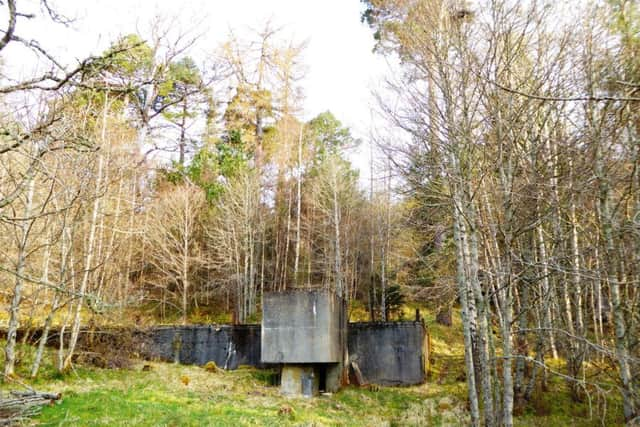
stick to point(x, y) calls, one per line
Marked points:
point(622, 352)
point(338, 247)
point(65, 322)
point(88, 259)
point(296, 262)
point(575, 360)
point(186, 235)
point(385, 251)
point(126, 279)
point(463, 294)
point(37, 359)
point(55, 305)
point(287, 242)
point(383, 282)
point(14, 311)
point(182, 145)
point(372, 268)
point(483, 327)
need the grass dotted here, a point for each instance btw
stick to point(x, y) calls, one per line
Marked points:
point(171, 395)
point(166, 394)
point(187, 395)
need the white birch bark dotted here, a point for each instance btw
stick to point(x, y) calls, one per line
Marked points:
point(91, 240)
point(14, 310)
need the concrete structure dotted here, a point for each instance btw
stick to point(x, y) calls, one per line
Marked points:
point(229, 346)
point(301, 326)
point(387, 353)
point(305, 331)
point(300, 380)
point(390, 353)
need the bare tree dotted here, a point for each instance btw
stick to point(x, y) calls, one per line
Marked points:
point(234, 235)
point(174, 248)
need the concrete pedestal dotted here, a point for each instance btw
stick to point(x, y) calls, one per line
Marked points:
point(299, 381)
point(333, 379)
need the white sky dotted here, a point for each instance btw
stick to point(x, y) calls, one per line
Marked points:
point(342, 70)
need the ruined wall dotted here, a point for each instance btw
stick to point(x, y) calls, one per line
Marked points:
point(389, 353)
point(228, 346)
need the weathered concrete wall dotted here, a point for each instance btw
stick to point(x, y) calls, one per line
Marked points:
point(301, 326)
point(228, 346)
point(389, 353)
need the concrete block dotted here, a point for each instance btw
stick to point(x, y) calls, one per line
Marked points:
point(333, 377)
point(301, 326)
point(299, 380)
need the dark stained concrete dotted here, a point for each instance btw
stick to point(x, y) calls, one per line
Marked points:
point(389, 353)
point(229, 346)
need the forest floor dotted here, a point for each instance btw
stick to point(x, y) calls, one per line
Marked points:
point(165, 394)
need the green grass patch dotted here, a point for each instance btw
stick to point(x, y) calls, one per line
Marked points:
point(166, 394)
point(187, 395)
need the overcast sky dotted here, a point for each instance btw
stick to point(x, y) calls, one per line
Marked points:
point(342, 70)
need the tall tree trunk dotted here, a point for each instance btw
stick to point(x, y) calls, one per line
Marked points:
point(372, 268)
point(338, 246)
point(182, 143)
point(14, 310)
point(610, 262)
point(383, 282)
point(296, 275)
point(576, 358)
point(55, 304)
point(463, 294)
point(482, 322)
point(88, 258)
point(186, 234)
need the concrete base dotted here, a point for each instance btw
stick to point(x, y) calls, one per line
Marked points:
point(333, 379)
point(299, 381)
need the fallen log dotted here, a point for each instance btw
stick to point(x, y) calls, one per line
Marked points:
point(18, 406)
